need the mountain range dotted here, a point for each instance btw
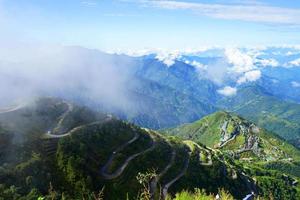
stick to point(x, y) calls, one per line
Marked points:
point(159, 123)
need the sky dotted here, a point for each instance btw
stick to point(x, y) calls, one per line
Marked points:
point(124, 25)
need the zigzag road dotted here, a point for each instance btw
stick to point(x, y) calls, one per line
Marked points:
point(120, 170)
point(62, 117)
point(155, 180)
point(50, 134)
point(183, 171)
point(8, 110)
point(103, 171)
point(209, 163)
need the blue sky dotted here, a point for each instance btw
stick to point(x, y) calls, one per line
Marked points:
point(139, 24)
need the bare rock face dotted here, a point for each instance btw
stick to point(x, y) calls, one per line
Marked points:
point(254, 129)
point(232, 127)
point(253, 144)
point(224, 135)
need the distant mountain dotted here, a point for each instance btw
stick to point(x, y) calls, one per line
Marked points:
point(161, 91)
point(165, 97)
point(53, 147)
point(159, 106)
point(283, 83)
point(181, 77)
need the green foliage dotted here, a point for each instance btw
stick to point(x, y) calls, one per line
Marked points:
point(144, 179)
point(199, 194)
point(256, 104)
point(208, 131)
point(71, 168)
point(276, 188)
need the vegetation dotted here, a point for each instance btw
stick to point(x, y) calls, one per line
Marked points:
point(70, 167)
point(236, 135)
point(269, 112)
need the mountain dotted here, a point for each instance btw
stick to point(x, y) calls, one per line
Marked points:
point(158, 106)
point(142, 89)
point(180, 76)
point(261, 107)
point(272, 105)
point(243, 140)
point(158, 92)
point(282, 82)
point(228, 131)
point(55, 148)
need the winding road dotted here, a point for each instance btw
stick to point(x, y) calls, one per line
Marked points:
point(119, 171)
point(155, 180)
point(62, 117)
point(52, 134)
point(182, 173)
point(209, 163)
point(11, 109)
point(49, 134)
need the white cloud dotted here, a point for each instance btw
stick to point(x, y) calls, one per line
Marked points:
point(241, 62)
point(227, 91)
point(198, 65)
point(242, 65)
point(290, 53)
point(133, 53)
point(295, 62)
point(268, 62)
point(243, 12)
point(40, 70)
point(295, 84)
point(167, 58)
point(250, 76)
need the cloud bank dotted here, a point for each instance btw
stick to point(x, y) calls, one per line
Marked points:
point(241, 62)
point(268, 62)
point(249, 77)
point(295, 63)
point(168, 58)
point(68, 72)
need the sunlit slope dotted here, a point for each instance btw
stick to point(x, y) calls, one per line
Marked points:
point(229, 132)
point(276, 115)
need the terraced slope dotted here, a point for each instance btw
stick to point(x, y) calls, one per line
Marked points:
point(79, 152)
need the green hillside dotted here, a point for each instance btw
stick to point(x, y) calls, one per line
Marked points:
point(55, 149)
point(269, 112)
point(241, 140)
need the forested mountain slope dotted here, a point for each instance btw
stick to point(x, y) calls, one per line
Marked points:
point(63, 149)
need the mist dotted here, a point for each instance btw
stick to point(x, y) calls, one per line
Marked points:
point(28, 71)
